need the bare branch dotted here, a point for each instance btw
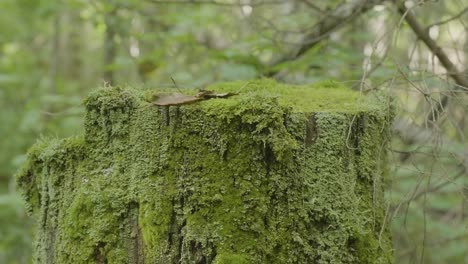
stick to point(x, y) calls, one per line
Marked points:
point(312, 5)
point(423, 35)
point(457, 16)
point(334, 21)
point(412, 134)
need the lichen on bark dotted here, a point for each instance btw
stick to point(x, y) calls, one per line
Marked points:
point(275, 174)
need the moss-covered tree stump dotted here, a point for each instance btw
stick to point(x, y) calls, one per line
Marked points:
point(274, 174)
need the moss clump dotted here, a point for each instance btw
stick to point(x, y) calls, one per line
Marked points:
point(275, 174)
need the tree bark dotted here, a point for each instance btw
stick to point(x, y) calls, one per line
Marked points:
point(258, 177)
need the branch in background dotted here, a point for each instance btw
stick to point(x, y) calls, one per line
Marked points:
point(312, 5)
point(412, 134)
point(423, 35)
point(337, 19)
point(457, 16)
point(433, 188)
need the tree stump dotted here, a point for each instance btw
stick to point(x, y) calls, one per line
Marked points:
point(273, 174)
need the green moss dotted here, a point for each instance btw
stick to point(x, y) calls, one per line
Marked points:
point(227, 258)
point(275, 174)
point(324, 97)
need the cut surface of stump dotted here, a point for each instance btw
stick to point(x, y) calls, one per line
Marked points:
point(272, 174)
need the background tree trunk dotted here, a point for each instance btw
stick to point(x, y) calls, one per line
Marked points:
point(275, 174)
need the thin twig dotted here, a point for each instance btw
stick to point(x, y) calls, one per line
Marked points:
point(463, 12)
point(418, 29)
point(337, 19)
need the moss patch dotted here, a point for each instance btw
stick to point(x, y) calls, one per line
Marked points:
point(275, 174)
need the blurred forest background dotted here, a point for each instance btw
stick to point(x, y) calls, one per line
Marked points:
point(53, 53)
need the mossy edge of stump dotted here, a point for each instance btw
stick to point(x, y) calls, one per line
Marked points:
point(274, 174)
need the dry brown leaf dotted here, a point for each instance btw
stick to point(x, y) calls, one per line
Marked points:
point(206, 94)
point(181, 99)
point(174, 99)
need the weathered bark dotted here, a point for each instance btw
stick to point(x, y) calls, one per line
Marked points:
point(275, 174)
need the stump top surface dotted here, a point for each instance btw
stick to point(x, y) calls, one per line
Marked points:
point(327, 96)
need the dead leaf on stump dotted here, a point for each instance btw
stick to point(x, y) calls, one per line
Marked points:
point(206, 94)
point(175, 99)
